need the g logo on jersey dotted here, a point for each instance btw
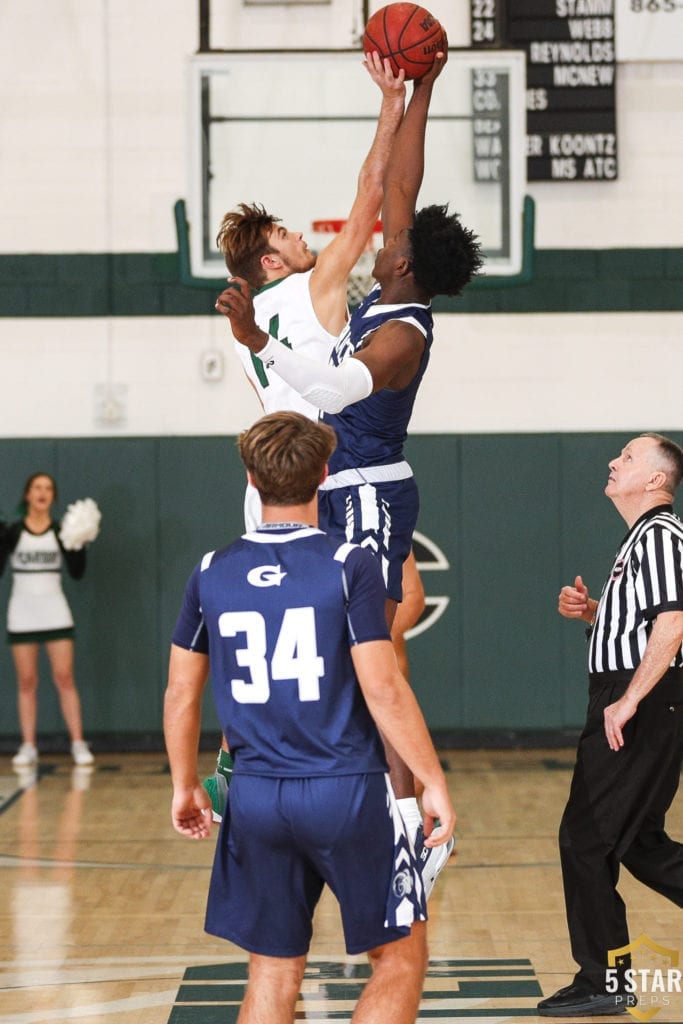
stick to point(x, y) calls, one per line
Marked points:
point(266, 576)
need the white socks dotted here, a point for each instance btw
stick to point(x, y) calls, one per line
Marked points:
point(410, 812)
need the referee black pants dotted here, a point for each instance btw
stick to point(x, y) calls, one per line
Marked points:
point(615, 815)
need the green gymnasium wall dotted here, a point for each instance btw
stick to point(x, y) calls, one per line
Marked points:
point(515, 515)
point(148, 284)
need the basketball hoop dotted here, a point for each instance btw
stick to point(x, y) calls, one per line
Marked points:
point(333, 227)
point(361, 280)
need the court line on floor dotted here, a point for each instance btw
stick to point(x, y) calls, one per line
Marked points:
point(146, 1002)
point(8, 861)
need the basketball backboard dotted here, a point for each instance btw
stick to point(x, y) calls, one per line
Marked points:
point(290, 130)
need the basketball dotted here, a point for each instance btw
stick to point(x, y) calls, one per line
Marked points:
point(407, 34)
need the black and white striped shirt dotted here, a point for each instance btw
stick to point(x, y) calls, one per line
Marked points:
point(646, 579)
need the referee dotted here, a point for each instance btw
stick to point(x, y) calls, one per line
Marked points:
point(630, 752)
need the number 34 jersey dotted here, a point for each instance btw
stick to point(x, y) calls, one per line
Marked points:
point(278, 612)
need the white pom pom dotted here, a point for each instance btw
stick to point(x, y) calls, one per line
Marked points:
point(80, 525)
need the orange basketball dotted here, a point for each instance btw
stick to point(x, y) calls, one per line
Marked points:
point(407, 34)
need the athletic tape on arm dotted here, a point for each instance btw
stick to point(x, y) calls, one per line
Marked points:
point(330, 388)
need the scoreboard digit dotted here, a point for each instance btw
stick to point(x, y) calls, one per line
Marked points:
point(486, 23)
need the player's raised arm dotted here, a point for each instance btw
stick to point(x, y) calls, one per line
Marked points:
point(405, 169)
point(335, 262)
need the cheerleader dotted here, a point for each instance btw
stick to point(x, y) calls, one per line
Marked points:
point(36, 547)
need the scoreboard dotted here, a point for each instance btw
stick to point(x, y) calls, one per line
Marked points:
point(571, 79)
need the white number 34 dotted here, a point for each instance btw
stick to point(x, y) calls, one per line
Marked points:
point(295, 655)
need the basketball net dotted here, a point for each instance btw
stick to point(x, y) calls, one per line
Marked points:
point(360, 280)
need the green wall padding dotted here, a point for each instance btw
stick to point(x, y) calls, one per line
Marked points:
point(516, 516)
point(148, 284)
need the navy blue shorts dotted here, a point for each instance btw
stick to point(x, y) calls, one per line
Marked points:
point(381, 517)
point(282, 839)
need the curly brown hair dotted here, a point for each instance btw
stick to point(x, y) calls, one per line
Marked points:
point(243, 238)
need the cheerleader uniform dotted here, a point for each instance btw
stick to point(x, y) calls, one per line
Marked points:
point(38, 609)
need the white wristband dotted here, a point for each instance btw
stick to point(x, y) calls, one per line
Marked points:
point(329, 388)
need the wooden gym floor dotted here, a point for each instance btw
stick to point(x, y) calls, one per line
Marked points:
point(102, 903)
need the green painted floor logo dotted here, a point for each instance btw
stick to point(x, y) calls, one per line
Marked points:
point(494, 990)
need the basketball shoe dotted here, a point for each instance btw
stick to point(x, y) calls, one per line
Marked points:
point(81, 753)
point(431, 859)
point(217, 784)
point(26, 756)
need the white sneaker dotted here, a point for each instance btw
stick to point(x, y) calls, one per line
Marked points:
point(26, 755)
point(81, 753)
point(431, 859)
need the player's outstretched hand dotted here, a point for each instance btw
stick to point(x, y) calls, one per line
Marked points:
point(191, 812)
point(437, 67)
point(436, 804)
point(236, 303)
point(380, 71)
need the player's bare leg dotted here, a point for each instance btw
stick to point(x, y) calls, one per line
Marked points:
point(407, 615)
point(272, 990)
point(408, 612)
point(401, 617)
point(401, 777)
point(394, 991)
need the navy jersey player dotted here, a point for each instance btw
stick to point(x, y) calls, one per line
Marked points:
point(291, 624)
